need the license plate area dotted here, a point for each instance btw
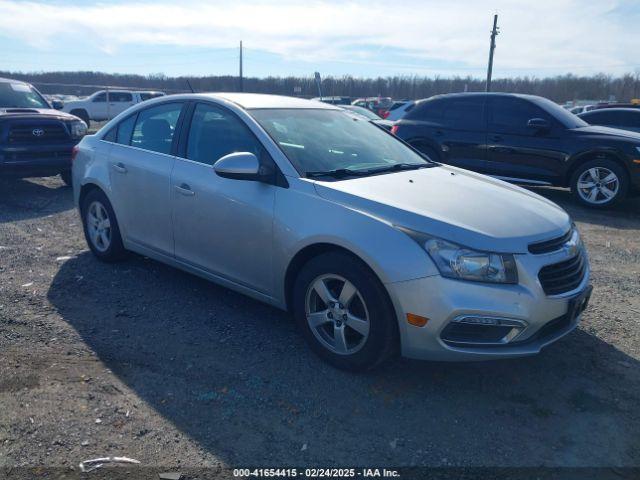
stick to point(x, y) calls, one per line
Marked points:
point(578, 304)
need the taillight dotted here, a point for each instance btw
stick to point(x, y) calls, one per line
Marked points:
point(394, 129)
point(384, 113)
point(74, 152)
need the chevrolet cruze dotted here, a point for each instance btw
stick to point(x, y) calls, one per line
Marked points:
point(373, 247)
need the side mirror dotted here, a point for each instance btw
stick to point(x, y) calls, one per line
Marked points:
point(539, 124)
point(57, 104)
point(239, 166)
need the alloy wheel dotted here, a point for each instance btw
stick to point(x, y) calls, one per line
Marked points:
point(99, 226)
point(598, 185)
point(337, 314)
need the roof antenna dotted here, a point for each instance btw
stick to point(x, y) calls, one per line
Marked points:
point(189, 85)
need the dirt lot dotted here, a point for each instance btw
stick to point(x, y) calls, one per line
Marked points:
point(142, 360)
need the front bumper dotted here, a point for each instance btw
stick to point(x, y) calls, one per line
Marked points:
point(36, 160)
point(442, 300)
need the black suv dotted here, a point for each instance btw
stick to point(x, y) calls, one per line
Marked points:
point(526, 139)
point(35, 139)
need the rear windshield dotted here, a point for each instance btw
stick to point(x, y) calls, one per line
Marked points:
point(20, 95)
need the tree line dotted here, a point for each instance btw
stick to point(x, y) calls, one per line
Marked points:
point(560, 88)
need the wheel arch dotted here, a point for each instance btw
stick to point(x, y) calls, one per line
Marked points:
point(584, 157)
point(433, 144)
point(309, 252)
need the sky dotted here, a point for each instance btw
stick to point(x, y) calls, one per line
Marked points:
point(359, 38)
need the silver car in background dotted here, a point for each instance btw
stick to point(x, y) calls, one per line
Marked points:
point(375, 249)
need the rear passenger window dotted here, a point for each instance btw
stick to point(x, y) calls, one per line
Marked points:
point(120, 97)
point(464, 113)
point(125, 129)
point(155, 127)
point(427, 111)
point(215, 133)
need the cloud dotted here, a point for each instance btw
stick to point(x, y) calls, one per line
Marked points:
point(567, 35)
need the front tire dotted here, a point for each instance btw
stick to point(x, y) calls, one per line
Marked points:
point(600, 183)
point(101, 229)
point(344, 312)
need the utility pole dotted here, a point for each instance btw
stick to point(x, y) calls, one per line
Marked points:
point(494, 34)
point(241, 80)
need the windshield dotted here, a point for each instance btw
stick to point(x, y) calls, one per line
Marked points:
point(317, 141)
point(563, 115)
point(20, 95)
point(361, 111)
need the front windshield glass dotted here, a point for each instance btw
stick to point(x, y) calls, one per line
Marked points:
point(563, 115)
point(19, 95)
point(316, 141)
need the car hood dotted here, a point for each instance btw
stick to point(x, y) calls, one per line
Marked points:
point(598, 131)
point(48, 113)
point(454, 204)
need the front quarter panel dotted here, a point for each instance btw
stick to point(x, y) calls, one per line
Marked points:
point(303, 218)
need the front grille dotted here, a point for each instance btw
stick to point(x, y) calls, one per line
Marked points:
point(43, 133)
point(564, 276)
point(552, 245)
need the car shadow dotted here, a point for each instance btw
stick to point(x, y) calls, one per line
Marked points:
point(235, 376)
point(625, 215)
point(22, 199)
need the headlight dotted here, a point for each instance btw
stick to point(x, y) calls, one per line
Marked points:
point(456, 261)
point(78, 129)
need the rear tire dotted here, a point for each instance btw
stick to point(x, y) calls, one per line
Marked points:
point(344, 312)
point(101, 229)
point(600, 183)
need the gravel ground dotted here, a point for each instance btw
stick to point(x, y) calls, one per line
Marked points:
point(142, 360)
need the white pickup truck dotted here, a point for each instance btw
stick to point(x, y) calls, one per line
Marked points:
point(106, 104)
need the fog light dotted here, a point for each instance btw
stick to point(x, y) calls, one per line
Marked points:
point(479, 330)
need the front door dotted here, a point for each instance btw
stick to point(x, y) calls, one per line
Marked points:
point(140, 171)
point(222, 226)
point(517, 151)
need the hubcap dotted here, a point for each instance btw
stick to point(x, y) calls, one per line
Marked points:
point(336, 314)
point(598, 185)
point(99, 226)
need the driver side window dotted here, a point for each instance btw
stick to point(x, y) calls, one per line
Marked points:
point(510, 115)
point(215, 133)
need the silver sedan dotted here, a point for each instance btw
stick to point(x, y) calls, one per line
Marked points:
point(375, 249)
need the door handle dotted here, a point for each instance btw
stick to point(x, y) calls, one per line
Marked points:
point(185, 190)
point(119, 167)
point(438, 133)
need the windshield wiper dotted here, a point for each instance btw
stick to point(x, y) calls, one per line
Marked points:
point(347, 172)
point(339, 173)
point(397, 167)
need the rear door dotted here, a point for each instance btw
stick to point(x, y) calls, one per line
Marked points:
point(119, 102)
point(515, 150)
point(455, 127)
point(141, 161)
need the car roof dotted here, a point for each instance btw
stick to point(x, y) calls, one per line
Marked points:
point(11, 80)
point(260, 100)
point(607, 110)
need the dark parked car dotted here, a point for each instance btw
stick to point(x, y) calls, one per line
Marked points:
point(624, 118)
point(526, 139)
point(35, 139)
